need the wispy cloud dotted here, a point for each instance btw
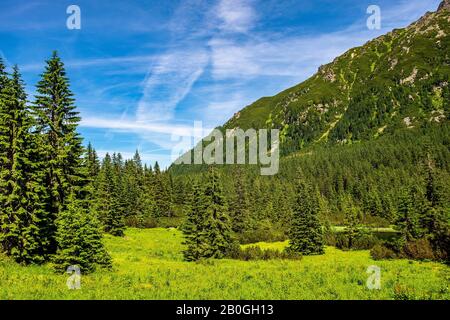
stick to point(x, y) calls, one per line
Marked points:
point(117, 62)
point(406, 11)
point(128, 125)
point(220, 108)
point(235, 15)
point(168, 82)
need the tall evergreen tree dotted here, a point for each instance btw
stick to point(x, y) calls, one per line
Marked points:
point(218, 224)
point(161, 194)
point(20, 209)
point(194, 227)
point(306, 234)
point(437, 193)
point(239, 206)
point(435, 221)
point(108, 198)
point(407, 218)
point(352, 222)
point(56, 124)
point(156, 168)
point(92, 162)
point(146, 200)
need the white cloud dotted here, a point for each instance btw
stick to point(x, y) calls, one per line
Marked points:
point(235, 15)
point(299, 57)
point(127, 125)
point(116, 62)
point(295, 57)
point(163, 134)
point(220, 109)
point(168, 83)
point(406, 11)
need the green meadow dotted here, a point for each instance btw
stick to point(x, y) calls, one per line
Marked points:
point(148, 264)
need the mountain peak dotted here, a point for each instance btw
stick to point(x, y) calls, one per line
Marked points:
point(445, 5)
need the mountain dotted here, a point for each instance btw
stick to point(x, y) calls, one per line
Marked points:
point(397, 81)
point(365, 130)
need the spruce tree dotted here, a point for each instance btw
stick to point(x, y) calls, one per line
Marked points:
point(79, 239)
point(146, 198)
point(306, 234)
point(108, 198)
point(352, 229)
point(437, 191)
point(435, 221)
point(116, 219)
point(92, 162)
point(55, 123)
point(218, 224)
point(134, 200)
point(407, 218)
point(194, 227)
point(20, 209)
point(239, 206)
point(161, 194)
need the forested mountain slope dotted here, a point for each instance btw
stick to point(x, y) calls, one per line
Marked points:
point(365, 130)
point(399, 80)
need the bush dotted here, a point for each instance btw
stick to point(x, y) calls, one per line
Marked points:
point(402, 292)
point(169, 222)
point(144, 223)
point(256, 253)
point(262, 233)
point(381, 251)
point(364, 241)
point(150, 222)
point(420, 249)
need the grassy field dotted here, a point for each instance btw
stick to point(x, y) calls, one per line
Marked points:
point(148, 265)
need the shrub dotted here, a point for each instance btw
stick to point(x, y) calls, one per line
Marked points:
point(381, 251)
point(136, 222)
point(150, 222)
point(256, 253)
point(169, 222)
point(420, 249)
point(330, 237)
point(402, 292)
point(262, 233)
point(364, 241)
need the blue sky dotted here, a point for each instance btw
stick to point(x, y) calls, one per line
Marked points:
point(143, 71)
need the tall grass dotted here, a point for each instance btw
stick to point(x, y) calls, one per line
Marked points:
point(148, 264)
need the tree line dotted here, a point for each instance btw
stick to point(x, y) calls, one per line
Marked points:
point(57, 197)
point(353, 186)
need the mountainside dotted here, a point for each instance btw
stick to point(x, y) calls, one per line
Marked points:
point(397, 81)
point(366, 129)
